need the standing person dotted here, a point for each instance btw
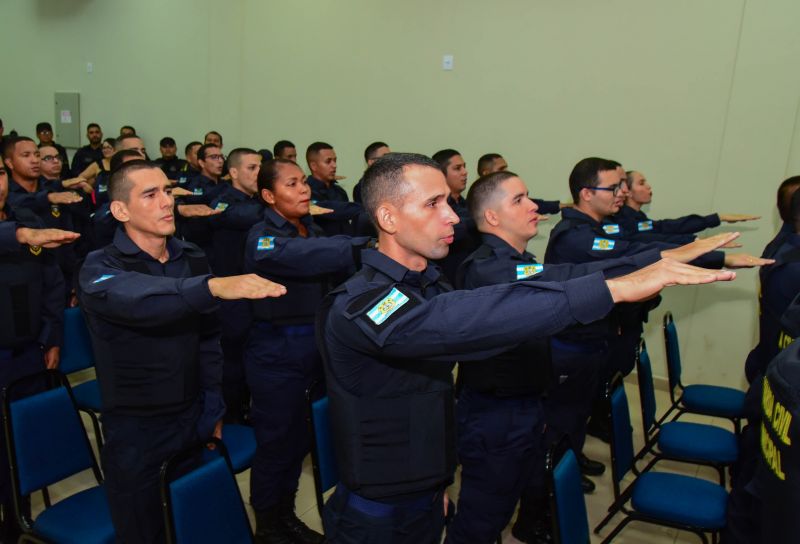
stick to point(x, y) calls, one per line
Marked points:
point(281, 358)
point(44, 132)
point(391, 333)
point(150, 305)
point(90, 153)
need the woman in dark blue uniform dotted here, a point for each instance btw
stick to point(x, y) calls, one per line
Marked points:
point(281, 358)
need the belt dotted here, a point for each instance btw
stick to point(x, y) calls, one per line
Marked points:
point(579, 347)
point(287, 330)
point(382, 509)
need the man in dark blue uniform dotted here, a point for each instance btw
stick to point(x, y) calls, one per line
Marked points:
point(92, 152)
point(150, 304)
point(494, 162)
point(372, 153)
point(204, 188)
point(169, 161)
point(326, 191)
point(239, 211)
point(32, 297)
point(191, 167)
point(284, 149)
point(466, 236)
point(44, 132)
point(391, 334)
point(500, 414)
point(632, 220)
point(281, 357)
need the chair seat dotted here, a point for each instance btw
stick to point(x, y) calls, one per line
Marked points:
point(713, 400)
point(87, 395)
point(680, 499)
point(240, 441)
point(83, 518)
point(696, 441)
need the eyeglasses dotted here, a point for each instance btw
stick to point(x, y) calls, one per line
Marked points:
point(615, 189)
point(51, 158)
point(215, 157)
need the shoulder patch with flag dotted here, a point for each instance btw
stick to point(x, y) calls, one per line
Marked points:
point(221, 206)
point(644, 225)
point(603, 244)
point(198, 191)
point(387, 306)
point(611, 228)
point(528, 270)
point(265, 243)
point(104, 277)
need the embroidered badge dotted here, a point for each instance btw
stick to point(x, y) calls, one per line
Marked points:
point(36, 250)
point(102, 188)
point(265, 243)
point(644, 225)
point(198, 191)
point(611, 228)
point(104, 277)
point(221, 206)
point(55, 210)
point(386, 307)
point(182, 180)
point(603, 244)
point(528, 270)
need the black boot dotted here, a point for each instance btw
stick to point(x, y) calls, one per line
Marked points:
point(269, 527)
point(297, 531)
point(533, 524)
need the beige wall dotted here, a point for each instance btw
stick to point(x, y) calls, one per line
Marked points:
point(701, 95)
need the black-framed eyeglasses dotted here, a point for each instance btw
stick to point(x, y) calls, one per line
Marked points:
point(51, 158)
point(615, 189)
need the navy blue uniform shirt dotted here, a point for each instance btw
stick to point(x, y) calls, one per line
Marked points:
point(84, 157)
point(637, 221)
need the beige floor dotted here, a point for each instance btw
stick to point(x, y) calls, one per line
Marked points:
point(596, 503)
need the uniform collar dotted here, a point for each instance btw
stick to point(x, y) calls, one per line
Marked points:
point(577, 215)
point(319, 184)
point(15, 187)
point(126, 246)
point(396, 271)
point(271, 216)
point(500, 245)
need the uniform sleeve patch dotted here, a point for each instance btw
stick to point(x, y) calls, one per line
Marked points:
point(602, 244)
point(387, 306)
point(221, 206)
point(104, 277)
point(102, 188)
point(644, 225)
point(611, 228)
point(528, 270)
point(265, 243)
point(198, 191)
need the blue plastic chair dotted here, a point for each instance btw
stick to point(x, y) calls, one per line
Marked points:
point(240, 442)
point(694, 443)
point(323, 461)
point(48, 443)
point(570, 521)
point(203, 505)
point(673, 500)
point(77, 355)
point(709, 400)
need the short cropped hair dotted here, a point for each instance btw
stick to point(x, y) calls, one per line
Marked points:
point(372, 149)
point(786, 190)
point(269, 173)
point(213, 132)
point(315, 148)
point(484, 192)
point(128, 127)
point(190, 145)
point(10, 144)
point(443, 158)
point(44, 125)
point(120, 139)
point(235, 157)
point(92, 125)
point(167, 141)
point(585, 174)
point(119, 187)
point(486, 161)
point(201, 153)
point(118, 158)
point(385, 180)
point(279, 146)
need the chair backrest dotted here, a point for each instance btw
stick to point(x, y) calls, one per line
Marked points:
point(673, 354)
point(571, 524)
point(204, 505)
point(647, 393)
point(622, 454)
point(76, 354)
point(48, 442)
point(325, 462)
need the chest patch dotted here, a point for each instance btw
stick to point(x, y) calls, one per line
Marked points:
point(528, 270)
point(611, 228)
point(221, 206)
point(644, 225)
point(603, 244)
point(265, 243)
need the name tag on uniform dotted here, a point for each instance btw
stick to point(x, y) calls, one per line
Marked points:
point(611, 228)
point(265, 243)
point(221, 206)
point(386, 307)
point(528, 270)
point(104, 277)
point(644, 225)
point(603, 244)
point(197, 192)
